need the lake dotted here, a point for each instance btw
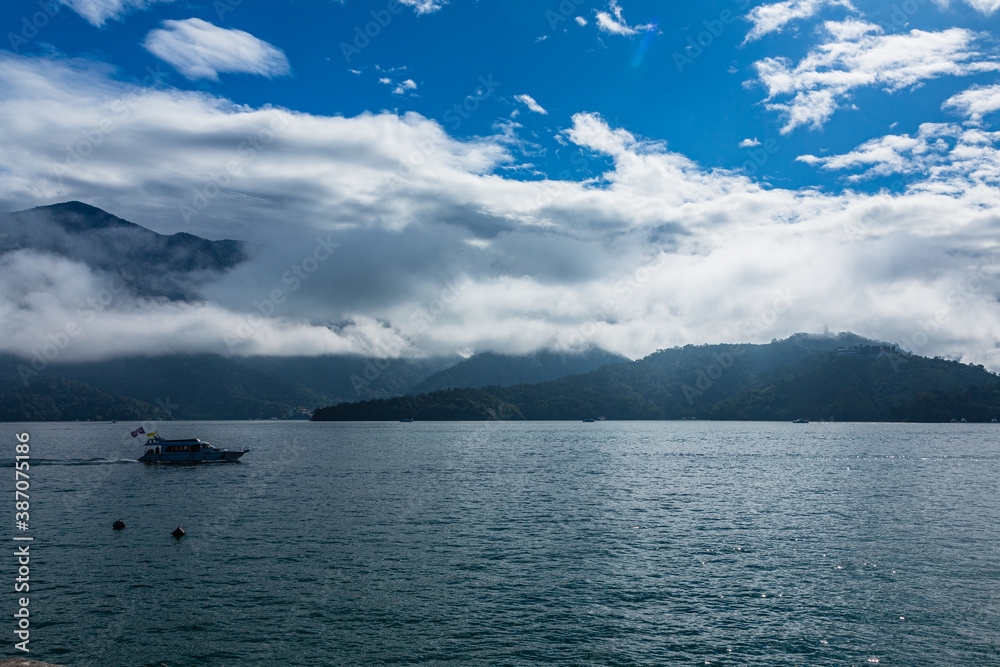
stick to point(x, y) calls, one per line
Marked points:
point(608, 543)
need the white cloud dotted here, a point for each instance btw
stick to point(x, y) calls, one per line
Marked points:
point(975, 102)
point(400, 88)
point(774, 17)
point(580, 21)
point(950, 157)
point(858, 55)
point(438, 251)
point(985, 6)
point(408, 84)
point(529, 101)
point(425, 6)
point(200, 50)
point(98, 12)
point(616, 25)
point(749, 143)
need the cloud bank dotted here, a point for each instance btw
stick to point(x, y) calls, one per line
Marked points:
point(383, 234)
point(859, 55)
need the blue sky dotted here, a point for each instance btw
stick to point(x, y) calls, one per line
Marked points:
point(543, 156)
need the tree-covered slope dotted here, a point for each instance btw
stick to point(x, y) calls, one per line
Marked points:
point(488, 369)
point(55, 398)
point(803, 376)
point(447, 405)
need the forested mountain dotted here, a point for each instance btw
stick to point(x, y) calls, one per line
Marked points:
point(489, 368)
point(842, 377)
point(802, 376)
point(150, 264)
point(58, 399)
point(209, 386)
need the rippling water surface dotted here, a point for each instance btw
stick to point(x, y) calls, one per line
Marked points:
point(612, 543)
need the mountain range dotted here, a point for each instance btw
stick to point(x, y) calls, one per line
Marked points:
point(841, 378)
point(844, 377)
point(209, 386)
point(151, 264)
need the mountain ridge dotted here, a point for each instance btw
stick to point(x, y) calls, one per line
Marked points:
point(844, 377)
point(491, 368)
point(175, 266)
point(210, 386)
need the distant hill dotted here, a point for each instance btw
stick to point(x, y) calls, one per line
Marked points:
point(861, 388)
point(488, 368)
point(351, 378)
point(446, 405)
point(150, 264)
point(802, 376)
point(208, 386)
point(58, 399)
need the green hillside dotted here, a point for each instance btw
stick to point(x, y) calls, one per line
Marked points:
point(843, 377)
point(489, 369)
point(58, 399)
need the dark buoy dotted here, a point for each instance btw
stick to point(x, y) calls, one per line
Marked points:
point(178, 532)
point(118, 525)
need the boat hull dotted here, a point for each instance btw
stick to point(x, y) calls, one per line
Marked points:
point(217, 456)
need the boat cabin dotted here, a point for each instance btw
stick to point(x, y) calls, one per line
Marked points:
point(183, 448)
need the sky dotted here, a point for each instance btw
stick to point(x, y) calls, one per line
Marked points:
point(419, 177)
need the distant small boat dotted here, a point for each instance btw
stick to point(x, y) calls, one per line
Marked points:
point(408, 420)
point(588, 421)
point(801, 420)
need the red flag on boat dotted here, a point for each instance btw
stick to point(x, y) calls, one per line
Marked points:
point(136, 432)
